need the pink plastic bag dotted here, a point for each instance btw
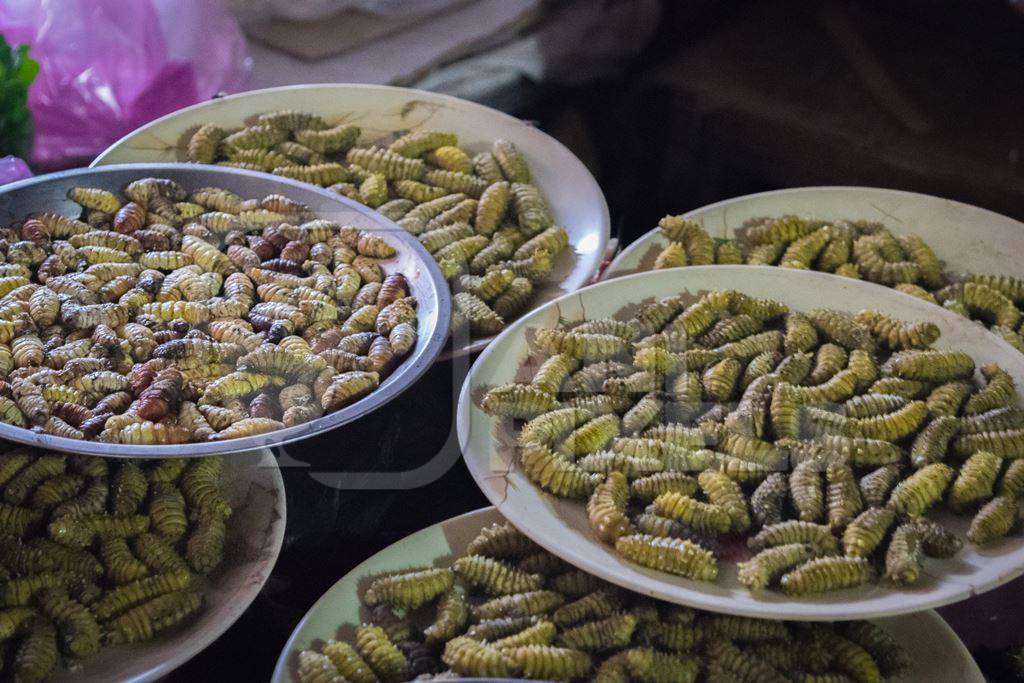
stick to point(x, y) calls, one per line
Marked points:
point(13, 168)
point(109, 66)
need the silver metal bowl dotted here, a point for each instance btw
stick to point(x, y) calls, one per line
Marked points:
point(425, 282)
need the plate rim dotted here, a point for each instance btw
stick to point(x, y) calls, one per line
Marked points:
point(282, 672)
point(582, 561)
point(603, 230)
point(404, 376)
point(645, 239)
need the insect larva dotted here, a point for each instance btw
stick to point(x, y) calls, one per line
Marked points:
point(1004, 443)
point(347, 388)
point(410, 590)
point(16, 521)
point(469, 657)
point(596, 605)
point(818, 536)
point(146, 620)
point(826, 574)
point(645, 412)
point(79, 532)
point(519, 605)
point(901, 387)
point(850, 658)
point(314, 667)
point(550, 427)
point(501, 541)
point(892, 426)
point(419, 142)
point(864, 534)
point(518, 400)
point(843, 496)
point(993, 521)
point(801, 335)
point(482, 319)
point(121, 566)
point(726, 494)
point(988, 303)
point(605, 462)
point(157, 554)
point(540, 633)
point(500, 627)
point(77, 629)
point(543, 563)
point(975, 481)
point(128, 489)
point(675, 556)
point(807, 492)
point(646, 489)
point(1009, 417)
point(921, 490)
point(200, 485)
point(903, 557)
point(728, 252)
point(555, 474)
point(704, 517)
point(930, 365)
point(122, 598)
point(494, 576)
point(891, 658)
point(767, 565)
point(56, 490)
point(36, 656)
point(25, 478)
point(745, 629)
point(803, 251)
point(204, 548)
point(896, 334)
point(768, 499)
point(699, 247)
point(727, 661)
point(647, 664)
point(829, 359)
point(606, 508)
point(871, 405)
point(347, 662)
point(167, 510)
point(999, 391)
point(574, 584)
point(610, 633)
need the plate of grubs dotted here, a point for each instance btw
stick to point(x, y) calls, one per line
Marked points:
point(115, 569)
point(510, 215)
point(202, 311)
point(473, 598)
point(948, 253)
point(757, 441)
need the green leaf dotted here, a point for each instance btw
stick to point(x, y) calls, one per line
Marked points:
point(17, 72)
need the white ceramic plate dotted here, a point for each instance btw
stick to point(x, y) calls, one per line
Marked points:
point(936, 651)
point(966, 237)
point(561, 526)
point(575, 198)
point(255, 532)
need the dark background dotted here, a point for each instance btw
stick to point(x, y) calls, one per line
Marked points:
point(729, 98)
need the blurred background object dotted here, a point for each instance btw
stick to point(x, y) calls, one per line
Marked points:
point(108, 66)
point(13, 168)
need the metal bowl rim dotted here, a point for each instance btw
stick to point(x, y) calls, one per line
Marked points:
point(410, 370)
